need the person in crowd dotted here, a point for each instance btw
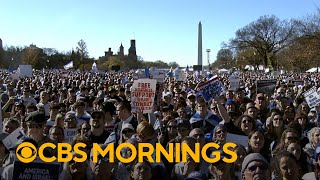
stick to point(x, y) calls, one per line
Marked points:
point(255, 166)
point(44, 103)
point(125, 116)
point(56, 133)
point(10, 124)
point(53, 112)
point(97, 133)
point(315, 174)
point(80, 111)
point(286, 166)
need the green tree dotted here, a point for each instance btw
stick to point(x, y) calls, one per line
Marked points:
point(267, 36)
point(225, 59)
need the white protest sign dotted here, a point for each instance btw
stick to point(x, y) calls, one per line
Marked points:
point(312, 97)
point(234, 82)
point(159, 75)
point(25, 70)
point(142, 95)
point(12, 139)
point(69, 134)
point(238, 139)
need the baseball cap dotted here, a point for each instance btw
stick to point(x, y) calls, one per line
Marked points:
point(36, 117)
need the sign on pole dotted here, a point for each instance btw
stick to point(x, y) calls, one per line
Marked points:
point(211, 89)
point(312, 97)
point(142, 95)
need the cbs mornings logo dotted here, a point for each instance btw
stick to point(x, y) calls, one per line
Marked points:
point(26, 152)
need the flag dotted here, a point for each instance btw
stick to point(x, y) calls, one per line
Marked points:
point(68, 66)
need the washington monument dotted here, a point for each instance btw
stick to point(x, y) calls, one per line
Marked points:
point(200, 44)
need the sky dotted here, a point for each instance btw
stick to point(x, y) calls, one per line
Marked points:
point(164, 30)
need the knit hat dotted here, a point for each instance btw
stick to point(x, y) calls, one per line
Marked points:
point(252, 157)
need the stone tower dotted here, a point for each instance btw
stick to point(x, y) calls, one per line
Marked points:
point(200, 44)
point(121, 50)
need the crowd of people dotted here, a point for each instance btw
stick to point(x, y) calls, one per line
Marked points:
point(283, 132)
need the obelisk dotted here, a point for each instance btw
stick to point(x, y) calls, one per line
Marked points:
point(200, 44)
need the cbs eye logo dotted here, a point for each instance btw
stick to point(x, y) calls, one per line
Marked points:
point(26, 152)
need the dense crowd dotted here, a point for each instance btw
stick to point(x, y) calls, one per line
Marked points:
point(283, 132)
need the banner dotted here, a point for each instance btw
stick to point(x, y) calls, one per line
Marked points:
point(298, 82)
point(142, 95)
point(25, 71)
point(312, 97)
point(211, 89)
point(234, 82)
point(266, 86)
point(36, 170)
point(159, 75)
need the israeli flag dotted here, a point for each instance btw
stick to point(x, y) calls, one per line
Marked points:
point(68, 66)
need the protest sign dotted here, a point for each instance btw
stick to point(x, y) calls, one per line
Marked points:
point(211, 89)
point(238, 139)
point(69, 134)
point(36, 170)
point(298, 82)
point(12, 139)
point(159, 76)
point(25, 71)
point(266, 86)
point(142, 95)
point(312, 97)
point(234, 82)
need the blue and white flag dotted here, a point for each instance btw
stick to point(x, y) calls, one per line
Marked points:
point(211, 88)
point(68, 66)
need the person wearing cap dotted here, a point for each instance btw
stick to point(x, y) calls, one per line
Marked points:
point(240, 97)
point(255, 166)
point(54, 110)
point(167, 99)
point(109, 111)
point(35, 124)
point(262, 107)
point(97, 133)
point(126, 132)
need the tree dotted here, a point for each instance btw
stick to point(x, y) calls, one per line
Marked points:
point(83, 52)
point(224, 59)
point(267, 36)
point(173, 64)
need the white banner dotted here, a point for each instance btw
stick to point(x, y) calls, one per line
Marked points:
point(234, 82)
point(69, 134)
point(312, 97)
point(12, 139)
point(142, 95)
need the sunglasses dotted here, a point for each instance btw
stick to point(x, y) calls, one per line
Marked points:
point(261, 98)
point(292, 138)
point(254, 168)
point(96, 117)
point(69, 120)
point(220, 132)
point(37, 126)
point(127, 131)
point(198, 135)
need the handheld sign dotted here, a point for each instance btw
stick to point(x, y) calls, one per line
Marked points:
point(142, 95)
point(13, 138)
point(25, 70)
point(312, 97)
point(266, 86)
point(238, 139)
point(69, 134)
point(36, 170)
point(211, 89)
point(234, 82)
